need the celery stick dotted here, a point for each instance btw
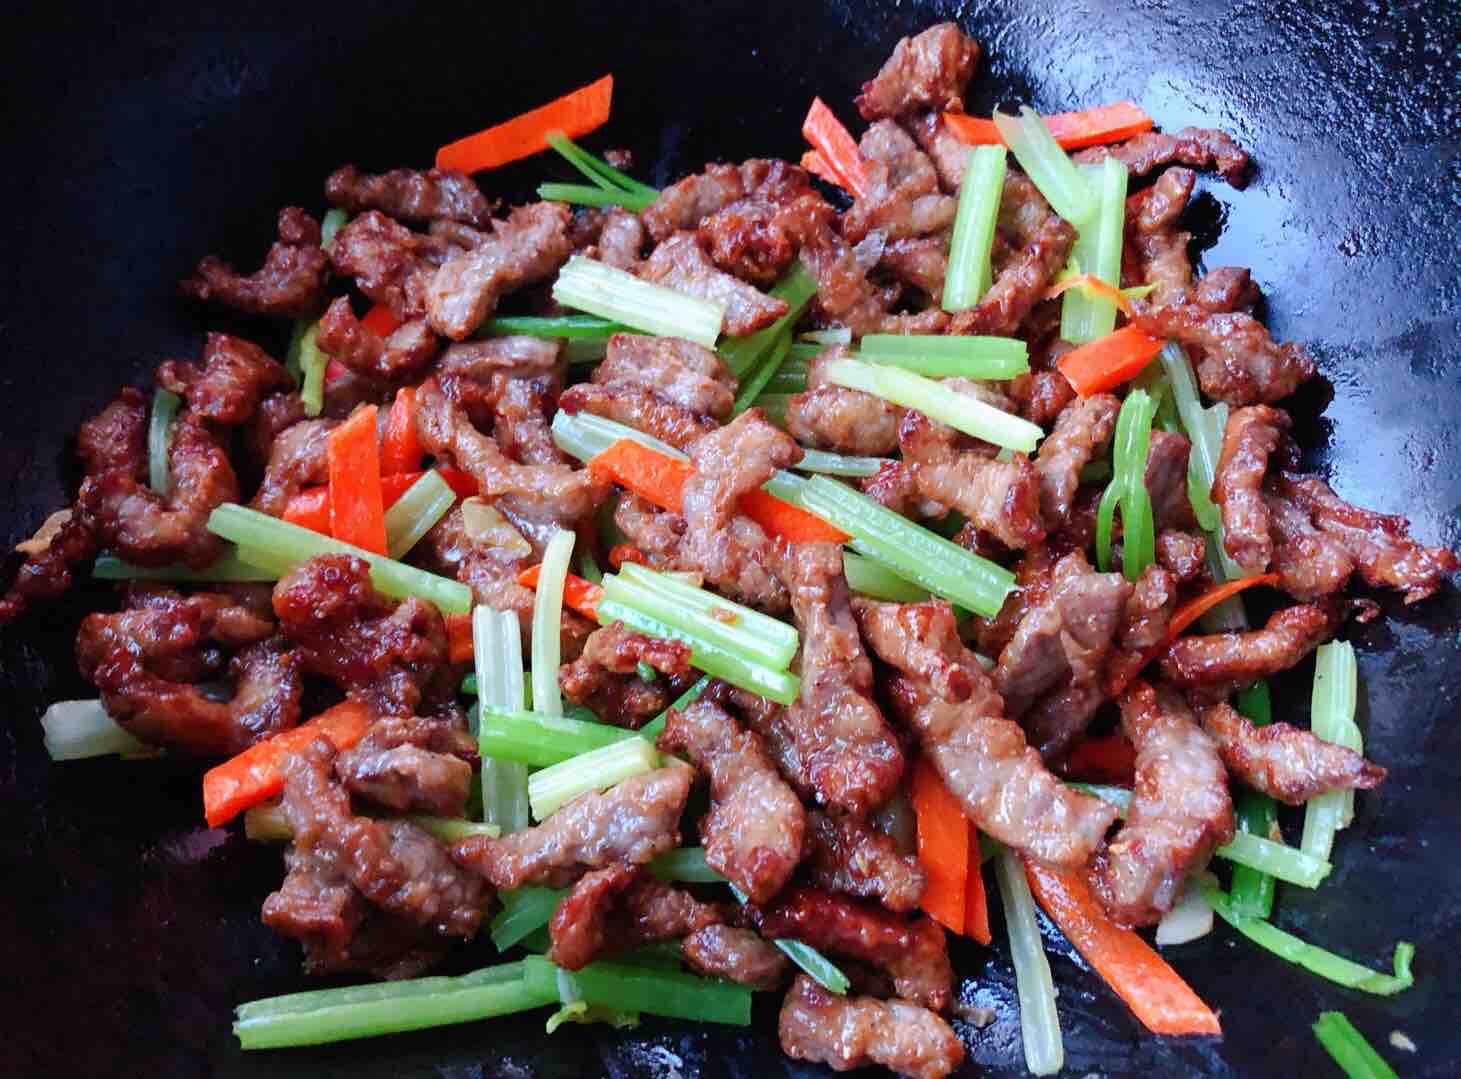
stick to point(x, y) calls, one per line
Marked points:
point(598, 170)
point(591, 286)
point(869, 578)
point(415, 513)
point(524, 911)
point(669, 993)
point(1047, 165)
point(334, 220)
point(774, 405)
point(572, 327)
point(686, 864)
point(796, 288)
point(968, 275)
point(948, 356)
point(497, 652)
point(547, 620)
point(839, 464)
point(585, 436)
point(75, 730)
point(1251, 890)
point(651, 731)
point(539, 740)
point(1355, 1056)
point(1336, 680)
point(1039, 1020)
point(1084, 317)
point(583, 195)
point(596, 770)
point(312, 364)
point(165, 405)
point(755, 383)
point(821, 969)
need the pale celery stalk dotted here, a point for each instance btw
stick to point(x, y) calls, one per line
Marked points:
point(587, 285)
point(1039, 1020)
point(414, 514)
point(968, 275)
point(1083, 317)
point(948, 356)
point(165, 405)
point(596, 770)
point(1047, 165)
point(547, 620)
point(75, 730)
point(1336, 676)
point(497, 650)
point(839, 464)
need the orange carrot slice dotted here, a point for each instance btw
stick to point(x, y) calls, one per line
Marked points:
point(357, 507)
point(943, 847)
point(837, 148)
point(583, 596)
point(1091, 283)
point(400, 451)
point(655, 477)
point(976, 902)
point(1109, 361)
point(782, 520)
point(459, 638)
point(1073, 130)
point(574, 114)
point(381, 321)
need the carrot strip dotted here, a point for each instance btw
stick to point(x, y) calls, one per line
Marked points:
point(1191, 611)
point(357, 508)
point(381, 320)
point(335, 371)
point(401, 452)
point(459, 638)
point(625, 552)
point(257, 774)
point(583, 596)
point(1154, 992)
point(781, 520)
point(976, 903)
point(310, 509)
point(1072, 130)
point(460, 482)
point(817, 165)
point(836, 146)
point(1107, 759)
point(1109, 361)
point(573, 114)
point(1092, 283)
point(943, 847)
point(653, 476)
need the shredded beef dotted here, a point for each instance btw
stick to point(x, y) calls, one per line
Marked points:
point(845, 296)
point(477, 375)
point(1156, 248)
point(948, 152)
point(1081, 430)
point(1197, 147)
point(404, 351)
point(1180, 810)
point(411, 762)
point(619, 242)
point(1220, 658)
point(1227, 288)
point(857, 1032)
point(290, 284)
point(1286, 762)
point(929, 70)
point(618, 908)
point(389, 263)
point(1166, 480)
point(902, 199)
point(756, 236)
point(298, 457)
point(1238, 362)
point(410, 195)
point(1251, 436)
point(845, 854)
point(234, 378)
point(830, 417)
point(1021, 284)
point(681, 264)
point(1183, 554)
point(605, 679)
point(999, 497)
point(723, 951)
point(685, 203)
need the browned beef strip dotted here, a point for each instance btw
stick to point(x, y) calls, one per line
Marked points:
point(1251, 436)
point(290, 284)
point(929, 70)
point(152, 529)
point(1032, 582)
point(852, 760)
point(619, 241)
point(756, 237)
point(1237, 362)
point(921, 261)
point(910, 949)
point(1144, 625)
point(411, 762)
point(392, 656)
point(831, 417)
point(318, 906)
point(477, 374)
point(1019, 286)
point(525, 248)
point(235, 377)
point(1166, 480)
point(740, 955)
point(298, 457)
point(1180, 810)
point(1042, 392)
point(46, 572)
point(389, 263)
point(845, 854)
point(681, 264)
point(687, 202)
point(946, 150)
point(753, 832)
point(633, 822)
point(404, 351)
point(1197, 147)
point(618, 908)
point(1284, 761)
point(1081, 430)
point(768, 719)
point(850, 1032)
point(942, 692)
point(604, 678)
point(1219, 658)
point(1183, 554)
point(999, 497)
point(1227, 288)
point(902, 199)
point(410, 195)
point(845, 296)
point(1379, 544)
point(639, 408)
point(1155, 248)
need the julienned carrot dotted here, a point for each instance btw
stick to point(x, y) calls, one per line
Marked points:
point(583, 596)
point(1091, 284)
point(1089, 127)
point(400, 451)
point(1154, 992)
point(357, 508)
point(459, 638)
point(785, 521)
point(310, 508)
point(573, 114)
point(460, 482)
point(836, 146)
point(1101, 759)
point(817, 165)
point(381, 320)
point(653, 476)
point(1192, 610)
point(943, 847)
point(976, 904)
point(257, 774)
point(1109, 361)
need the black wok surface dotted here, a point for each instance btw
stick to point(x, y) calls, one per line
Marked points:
point(137, 139)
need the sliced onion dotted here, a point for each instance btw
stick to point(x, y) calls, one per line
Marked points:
point(485, 525)
point(1191, 918)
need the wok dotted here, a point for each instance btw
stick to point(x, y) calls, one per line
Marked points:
point(139, 137)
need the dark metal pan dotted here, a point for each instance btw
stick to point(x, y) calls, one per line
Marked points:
point(138, 137)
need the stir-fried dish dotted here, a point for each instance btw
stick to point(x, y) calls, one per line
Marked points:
point(690, 590)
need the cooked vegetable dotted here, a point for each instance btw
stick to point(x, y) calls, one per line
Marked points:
point(610, 293)
point(1336, 681)
point(1251, 890)
point(1047, 165)
point(948, 356)
point(651, 731)
point(596, 770)
point(1072, 130)
point(312, 363)
point(227, 567)
point(569, 327)
point(399, 450)
point(1354, 1055)
point(817, 165)
point(497, 644)
point(524, 911)
point(416, 512)
point(873, 579)
point(1193, 609)
point(968, 276)
point(670, 993)
point(1085, 317)
point(685, 864)
point(943, 847)
point(75, 730)
point(1039, 1021)
point(1204, 428)
point(636, 196)
point(781, 519)
point(976, 902)
point(838, 464)
point(357, 509)
point(585, 437)
point(836, 148)
point(817, 966)
point(583, 596)
point(1127, 490)
point(165, 405)
point(532, 738)
point(747, 357)
point(1108, 361)
point(547, 619)
point(584, 195)
point(770, 363)
point(1189, 920)
point(733, 625)
point(573, 114)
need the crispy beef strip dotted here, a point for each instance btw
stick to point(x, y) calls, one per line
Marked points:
point(830, 417)
point(753, 832)
point(1237, 361)
point(410, 195)
point(858, 1032)
point(850, 757)
point(605, 679)
point(411, 763)
point(903, 199)
point(756, 236)
point(1042, 392)
point(1251, 436)
point(768, 719)
point(1144, 625)
point(942, 692)
point(1227, 288)
point(928, 71)
point(619, 240)
point(1183, 554)
point(1081, 430)
point(844, 854)
point(46, 572)
point(1222, 658)
point(1155, 251)
point(910, 949)
point(1180, 809)
point(920, 261)
point(845, 296)
point(1032, 581)
point(1284, 761)
point(392, 656)
point(477, 375)
point(1198, 147)
point(297, 458)
point(1166, 480)
point(680, 263)
point(234, 379)
point(618, 908)
point(402, 352)
point(947, 151)
point(687, 202)
point(527, 247)
point(739, 955)
point(633, 822)
point(389, 263)
point(290, 284)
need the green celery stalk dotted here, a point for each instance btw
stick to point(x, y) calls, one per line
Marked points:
point(668, 993)
point(1083, 317)
point(591, 286)
point(583, 195)
point(165, 405)
point(1204, 428)
point(524, 911)
point(76, 730)
point(596, 770)
point(1039, 1020)
point(538, 740)
point(572, 327)
point(836, 335)
point(1128, 490)
point(774, 406)
point(959, 411)
point(1355, 1056)
point(585, 436)
point(600, 171)
point(948, 356)
point(752, 386)
point(312, 363)
point(1047, 165)
point(227, 567)
point(1096, 472)
point(968, 276)
point(802, 352)
point(839, 464)
point(686, 864)
point(414, 514)
point(912, 552)
point(547, 620)
point(1336, 681)
point(334, 220)
point(1251, 890)
point(796, 288)
point(1312, 958)
point(790, 378)
point(294, 545)
point(497, 654)
point(869, 578)
point(651, 731)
